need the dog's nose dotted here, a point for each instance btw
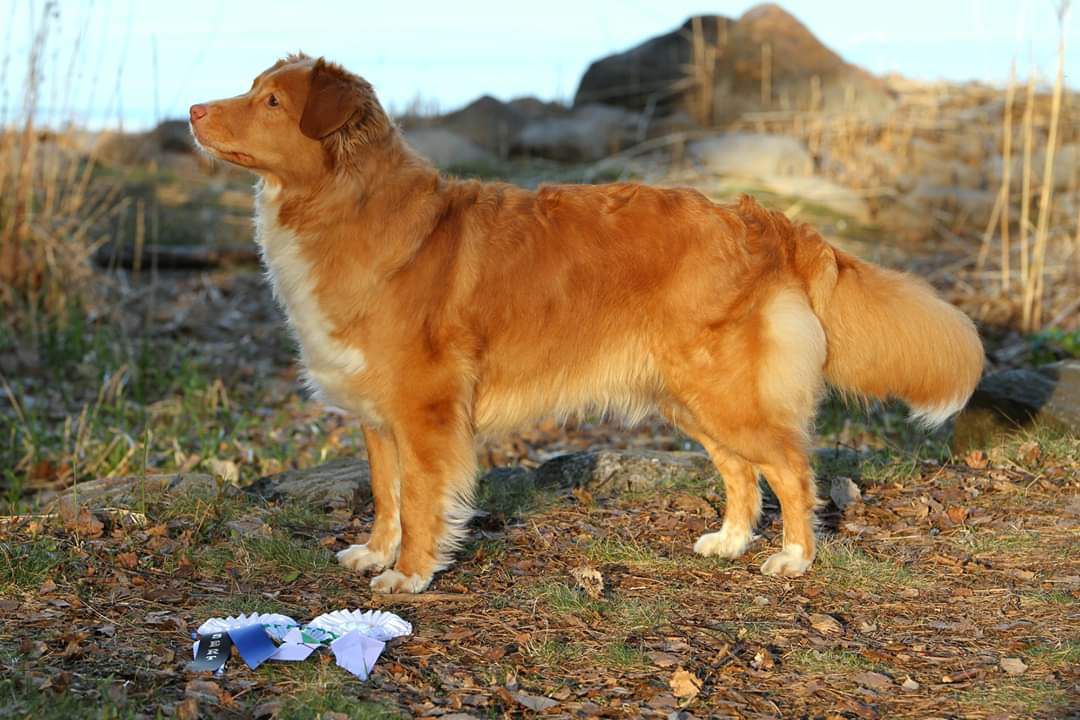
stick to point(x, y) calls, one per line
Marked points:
point(198, 112)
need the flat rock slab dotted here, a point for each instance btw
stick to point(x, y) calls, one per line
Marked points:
point(1010, 401)
point(336, 484)
point(130, 489)
point(346, 483)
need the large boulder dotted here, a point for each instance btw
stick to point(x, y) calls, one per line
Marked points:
point(447, 149)
point(590, 133)
point(752, 155)
point(653, 76)
point(1012, 400)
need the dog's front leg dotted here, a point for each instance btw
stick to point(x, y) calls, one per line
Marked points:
point(381, 549)
point(438, 471)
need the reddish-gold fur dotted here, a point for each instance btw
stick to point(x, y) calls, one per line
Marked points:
point(447, 309)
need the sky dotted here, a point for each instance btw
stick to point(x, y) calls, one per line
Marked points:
point(137, 61)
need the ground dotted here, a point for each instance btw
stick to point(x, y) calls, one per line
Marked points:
point(949, 589)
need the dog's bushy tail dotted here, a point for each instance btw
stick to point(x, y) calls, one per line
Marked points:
point(890, 335)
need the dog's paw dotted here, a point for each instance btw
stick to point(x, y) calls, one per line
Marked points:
point(361, 558)
point(391, 581)
point(726, 543)
point(789, 562)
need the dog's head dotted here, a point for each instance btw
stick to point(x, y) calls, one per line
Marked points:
point(301, 118)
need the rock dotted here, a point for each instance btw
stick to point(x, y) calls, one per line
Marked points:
point(590, 133)
point(1008, 401)
point(489, 123)
point(446, 149)
point(844, 492)
point(606, 472)
point(823, 193)
point(129, 490)
point(336, 484)
point(752, 155)
point(653, 76)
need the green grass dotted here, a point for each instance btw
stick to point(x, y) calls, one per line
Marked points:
point(1063, 654)
point(828, 662)
point(1023, 697)
point(315, 688)
point(626, 614)
point(511, 493)
point(997, 543)
point(624, 656)
point(20, 698)
point(842, 565)
point(286, 556)
point(25, 565)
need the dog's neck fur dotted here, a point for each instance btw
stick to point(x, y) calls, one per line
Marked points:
point(386, 189)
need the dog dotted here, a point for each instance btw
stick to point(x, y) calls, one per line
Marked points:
point(440, 310)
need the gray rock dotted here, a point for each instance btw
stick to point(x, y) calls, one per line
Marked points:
point(129, 490)
point(844, 492)
point(590, 133)
point(1011, 400)
point(608, 472)
point(822, 193)
point(653, 76)
point(447, 149)
point(753, 155)
point(336, 484)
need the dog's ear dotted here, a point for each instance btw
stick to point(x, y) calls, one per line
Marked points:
point(333, 100)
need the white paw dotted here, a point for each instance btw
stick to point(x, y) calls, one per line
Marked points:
point(390, 581)
point(789, 562)
point(361, 558)
point(727, 543)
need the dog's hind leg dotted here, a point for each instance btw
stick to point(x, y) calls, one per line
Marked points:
point(742, 495)
point(381, 549)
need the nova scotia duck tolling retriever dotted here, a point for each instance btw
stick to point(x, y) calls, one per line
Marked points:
point(439, 310)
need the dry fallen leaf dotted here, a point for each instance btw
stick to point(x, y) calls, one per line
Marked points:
point(1013, 666)
point(763, 660)
point(825, 624)
point(873, 680)
point(685, 685)
point(590, 580)
point(224, 469)
point(1030, 452)
point(663, 659)
point(976, 459)
point(536, 703)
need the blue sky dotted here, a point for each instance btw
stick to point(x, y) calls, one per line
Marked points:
point(447, 53)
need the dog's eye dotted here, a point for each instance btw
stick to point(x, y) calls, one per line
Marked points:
point(272, 101)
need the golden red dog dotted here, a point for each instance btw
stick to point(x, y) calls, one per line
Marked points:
point(438, 310)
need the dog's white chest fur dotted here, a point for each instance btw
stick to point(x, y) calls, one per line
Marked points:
point(328, 363)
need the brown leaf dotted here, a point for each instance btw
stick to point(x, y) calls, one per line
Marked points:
point(763, 660)
point(1030, 452)
point(47, 587)
point(536, 703)
point(873, 680)
point(204, 691)
point(590, 580)
point(957, 514)
point(128, 559)
point(825, 624)
point(684, 685)
point(187, 710)
point(976, 459)
point(663, 659)
point(1013, 666)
